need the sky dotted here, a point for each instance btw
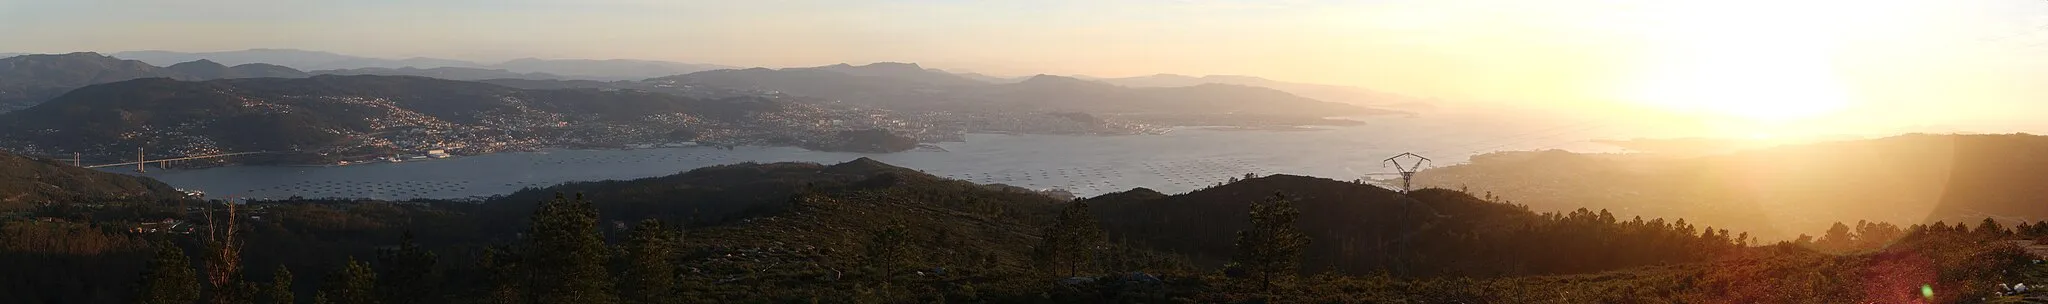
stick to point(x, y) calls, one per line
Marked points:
point(1743, 65)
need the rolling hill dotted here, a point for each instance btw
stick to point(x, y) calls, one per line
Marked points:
point(298, 59)
point(450, 73)
point(586, 69)
point(27, 180)
point(603, 69)
point(204, 69)
point(302, 114)
point(1324, 92)
point(1780, 191)
point(27, 80)
point(908, 86)
point(1363, 229)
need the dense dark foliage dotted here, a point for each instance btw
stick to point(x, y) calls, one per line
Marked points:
point(1364, 229)
point(866, 232)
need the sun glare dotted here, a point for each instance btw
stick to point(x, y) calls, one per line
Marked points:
point(1772, 67)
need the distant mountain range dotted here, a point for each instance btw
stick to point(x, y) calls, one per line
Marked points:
point(298, 59)
point(293, 114)
point(614, 69)
point(205, 69)
point(30, 79)
point(1324, 92)
point(450, 73)
point(909, 86)
point(896, 85)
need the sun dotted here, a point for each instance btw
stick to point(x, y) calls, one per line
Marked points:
point(1774, 66)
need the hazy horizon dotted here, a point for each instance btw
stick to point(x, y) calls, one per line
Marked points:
point(1741, 67)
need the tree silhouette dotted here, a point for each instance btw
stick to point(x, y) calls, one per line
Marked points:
point(280, 291)
point(503, 280)
point(1070, 241)
point(1272, 246)
point(649, 277)
point(566, 256)
point(408, 272)
point(1838, 238)
point(1991, 229)
point(354, 283)
point(170, 279)
point(888, 249)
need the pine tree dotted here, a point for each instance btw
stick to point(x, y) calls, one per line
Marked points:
point(408, 273)
point(503, 283)
point(170, 278)
point(354, 283)
point(649, 277)
point(1838, 238)
point(566, 256)
point(1271, 248)
point(888, 250)
point(1991, 229)
point(1071, 241)
point(280, 291)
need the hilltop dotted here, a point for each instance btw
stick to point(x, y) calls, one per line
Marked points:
point(204, 69)
point(27, 80)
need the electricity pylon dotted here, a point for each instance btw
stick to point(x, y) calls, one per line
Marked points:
point(1413, 163)
point(1407, 164)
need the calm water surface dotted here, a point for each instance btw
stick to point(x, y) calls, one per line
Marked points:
point(1180, 161)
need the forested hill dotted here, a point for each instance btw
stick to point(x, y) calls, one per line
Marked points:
point(1363, 229)
point(868, 232)
point(27, 80)
point(303, 114)
point(1783, 191)
point(26, 180)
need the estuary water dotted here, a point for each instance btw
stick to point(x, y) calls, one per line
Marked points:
point(1182, 160)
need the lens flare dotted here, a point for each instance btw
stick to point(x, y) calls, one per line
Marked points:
point(1927, 292)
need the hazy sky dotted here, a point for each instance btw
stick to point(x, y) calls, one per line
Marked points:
point(1834, 63)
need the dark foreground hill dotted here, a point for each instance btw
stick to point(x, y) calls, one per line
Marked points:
point(27, 181)
point(868, 232)
point(1364, 229)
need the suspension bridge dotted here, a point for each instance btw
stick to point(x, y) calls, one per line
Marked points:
point(141, 162)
